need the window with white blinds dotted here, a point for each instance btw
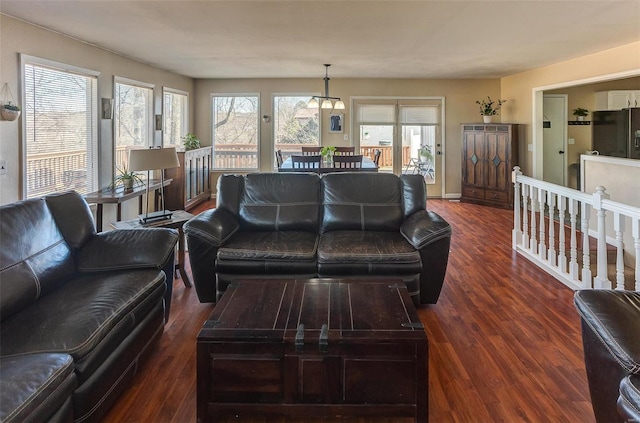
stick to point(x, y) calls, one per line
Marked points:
point(133, 117)
point(60, 114)
point(419, 115)
point(176, 113)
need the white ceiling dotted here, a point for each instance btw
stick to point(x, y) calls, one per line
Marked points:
point(385, 39)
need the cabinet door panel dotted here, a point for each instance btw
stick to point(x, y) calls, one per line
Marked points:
point(319, 380)
point(384, 380)
point(246, 379)
point(498, 150)
point(474, 158)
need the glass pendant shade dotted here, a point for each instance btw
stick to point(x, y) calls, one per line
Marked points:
point(339, 105)
point(326, 104)
point(313, 104)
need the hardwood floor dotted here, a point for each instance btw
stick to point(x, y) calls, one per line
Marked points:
point(504, 340)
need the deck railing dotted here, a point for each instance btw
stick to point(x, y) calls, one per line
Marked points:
point(560, 228)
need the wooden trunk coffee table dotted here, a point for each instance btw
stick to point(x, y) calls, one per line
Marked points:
point(313, 348)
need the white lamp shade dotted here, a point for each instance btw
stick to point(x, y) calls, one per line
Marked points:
point(313, 104)
point(153, 159)
point(326, 104)
point(339, 105)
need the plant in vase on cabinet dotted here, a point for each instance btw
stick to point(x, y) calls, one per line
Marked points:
point(489, 108)
point(191, 142)
point(127, 179)
point(580, 113)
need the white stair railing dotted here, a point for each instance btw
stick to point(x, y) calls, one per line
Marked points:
point(545, 213)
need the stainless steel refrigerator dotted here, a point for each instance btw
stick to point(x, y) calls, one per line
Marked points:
point(617, 132)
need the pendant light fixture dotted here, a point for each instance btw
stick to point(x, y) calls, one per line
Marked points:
point(324, 101)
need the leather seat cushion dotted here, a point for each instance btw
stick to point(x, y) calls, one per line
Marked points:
point(34, 387)
point(269, 252)
point(366, 253)
point(86, 318)
point(629, 400)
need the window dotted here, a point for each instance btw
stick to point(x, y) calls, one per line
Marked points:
point(60, 113)
point(294, 125)
point(235, 131)
point(133, 116)
point(176, 113)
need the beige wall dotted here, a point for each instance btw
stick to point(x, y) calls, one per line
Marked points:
point(460, 107)
point(17, 37)
point(519, 88)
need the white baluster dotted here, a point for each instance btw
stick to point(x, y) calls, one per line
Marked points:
point(602, 280)
point(618, 227)
point(551, 256)
point(542, 248)
point(573, 217)
point(562, 248)
point(587, 282)
point(516, 234)
point(533, 242)
point(525, 216)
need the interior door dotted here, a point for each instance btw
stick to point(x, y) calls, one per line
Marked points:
point(554, 165)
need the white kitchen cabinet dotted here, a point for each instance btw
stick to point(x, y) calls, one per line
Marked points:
point(617, 100)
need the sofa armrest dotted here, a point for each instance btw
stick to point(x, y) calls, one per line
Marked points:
point(127, 249)
point(215, 226)
point(423, 228)
point(610, 326)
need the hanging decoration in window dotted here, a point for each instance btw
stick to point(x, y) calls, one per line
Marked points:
point(9, 110)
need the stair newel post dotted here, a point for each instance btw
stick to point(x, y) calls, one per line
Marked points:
point(618, 227)
point(586, 259)
point(516, 234)
point(601, 281)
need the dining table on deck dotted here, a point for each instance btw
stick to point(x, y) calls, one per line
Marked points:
point(367, 166)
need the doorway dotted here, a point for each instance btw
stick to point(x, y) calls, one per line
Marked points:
point(554, 133)
point(408, 134)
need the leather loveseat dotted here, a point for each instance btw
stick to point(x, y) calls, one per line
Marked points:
point(611, 340)
point(303, 225)
point(78, 309)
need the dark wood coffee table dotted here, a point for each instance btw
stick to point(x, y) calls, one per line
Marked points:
point(313, 348)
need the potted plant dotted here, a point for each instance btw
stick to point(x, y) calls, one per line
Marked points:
point(489, 108)
point(580, 113)
point(425, 154)
point(10, 111)
point(126, 179)
point(191, 142)
point(327, 154)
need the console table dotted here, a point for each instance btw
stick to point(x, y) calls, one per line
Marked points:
point(317, 347)
point(118, 196)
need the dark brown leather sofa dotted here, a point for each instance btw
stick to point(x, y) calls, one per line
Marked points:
point(303, 225)
point(78, 309)
point(611, 339)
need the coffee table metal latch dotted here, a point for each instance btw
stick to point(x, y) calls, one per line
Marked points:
point(299, 342)
point(323, 342)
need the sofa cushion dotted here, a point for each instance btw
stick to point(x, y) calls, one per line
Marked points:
point(361, 201)
point(87, 318)
point(38, 259)
point(366, 253)
point(280, 202)
point(629, 399)
point(34, 387)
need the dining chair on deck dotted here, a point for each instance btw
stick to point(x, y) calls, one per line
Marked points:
point(279, 158)
point(311, 151)
point(348, 162)
point(306, 163)
point(344, 151)
point(376, 157)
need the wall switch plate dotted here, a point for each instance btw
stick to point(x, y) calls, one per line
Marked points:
point(572, 140)
point(530, 147)
point(3, 167)
point(346, 137)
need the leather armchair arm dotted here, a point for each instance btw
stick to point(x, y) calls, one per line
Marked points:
point(424, 228)
point(214, 226)
point(127, 249)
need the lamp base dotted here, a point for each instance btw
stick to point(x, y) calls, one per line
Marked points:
point(155, 216)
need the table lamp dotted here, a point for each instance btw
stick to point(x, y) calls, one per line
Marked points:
point(154, 159)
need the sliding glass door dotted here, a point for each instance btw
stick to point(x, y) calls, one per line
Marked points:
point(408, 134)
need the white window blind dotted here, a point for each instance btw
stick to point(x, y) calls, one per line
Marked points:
point(60, 112)
point(133, 111)
point(175, 110)
point(419, 115)
point(376, 114)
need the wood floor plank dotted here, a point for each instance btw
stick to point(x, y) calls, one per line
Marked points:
point(504, 340)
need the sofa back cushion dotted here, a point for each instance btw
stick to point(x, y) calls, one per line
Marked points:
point(364, 201)
point(73, 217)
point(280, 202)
point(34, 258)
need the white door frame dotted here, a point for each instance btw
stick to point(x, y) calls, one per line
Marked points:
point(563, 122)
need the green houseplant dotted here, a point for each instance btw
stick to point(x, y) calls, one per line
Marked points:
point(127, 179)
point(327, 153)
point(489, 108)
point(425, 154)
point(580, 113)
point(191, 142)
point(10, 111)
